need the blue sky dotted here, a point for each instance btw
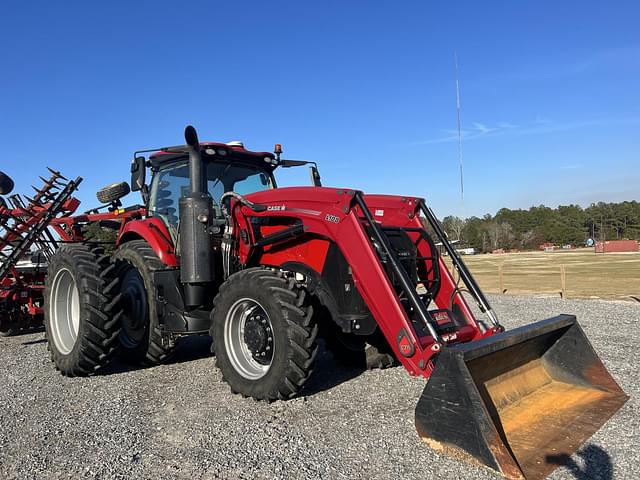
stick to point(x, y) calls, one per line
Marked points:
point(550, 92)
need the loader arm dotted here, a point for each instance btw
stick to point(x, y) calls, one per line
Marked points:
point(508, 400)
point(342, 217)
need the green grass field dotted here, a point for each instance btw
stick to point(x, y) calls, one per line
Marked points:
point(587, 275)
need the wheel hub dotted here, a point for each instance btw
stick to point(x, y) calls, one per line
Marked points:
point(135, 308)
point(258, 338)
point(248, 337)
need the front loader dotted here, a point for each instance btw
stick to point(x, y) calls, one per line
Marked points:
point(264, 270)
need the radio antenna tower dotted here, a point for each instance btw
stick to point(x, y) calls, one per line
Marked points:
point(455, 59)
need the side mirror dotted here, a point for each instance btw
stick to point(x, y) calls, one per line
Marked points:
point(313, 169)
point(138, 174)
point(315, 176)
point(292, 163)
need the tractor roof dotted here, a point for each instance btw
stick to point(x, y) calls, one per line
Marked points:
point(220, 151)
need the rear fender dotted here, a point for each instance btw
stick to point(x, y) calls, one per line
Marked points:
point(155, 233)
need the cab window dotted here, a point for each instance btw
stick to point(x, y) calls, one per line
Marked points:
point(172, 182)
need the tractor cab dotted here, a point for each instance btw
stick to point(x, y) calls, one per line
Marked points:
point(226, 168)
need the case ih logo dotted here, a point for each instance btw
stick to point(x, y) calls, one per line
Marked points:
point(276, 208)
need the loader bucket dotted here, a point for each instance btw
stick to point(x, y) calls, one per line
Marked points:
point(518, 401)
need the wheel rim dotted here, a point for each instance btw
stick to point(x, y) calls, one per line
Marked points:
point(64, 311)
point(248, 336)
point(135, 309)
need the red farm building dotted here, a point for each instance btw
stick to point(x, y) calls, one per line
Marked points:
point(610, 246)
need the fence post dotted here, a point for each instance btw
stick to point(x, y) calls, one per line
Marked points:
point(563, 281)
point(500, 279)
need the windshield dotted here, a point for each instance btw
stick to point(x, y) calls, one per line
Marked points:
point(172, 182)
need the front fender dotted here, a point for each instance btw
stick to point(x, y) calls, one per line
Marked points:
point(155, 233)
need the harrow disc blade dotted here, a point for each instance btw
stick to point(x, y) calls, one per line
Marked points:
point(521, 402)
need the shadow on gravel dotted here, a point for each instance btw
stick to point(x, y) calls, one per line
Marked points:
point(328, 374)
point(25, 332)
point(597, 463)
point(35, 342)
point(188, 349)
point(192, 348)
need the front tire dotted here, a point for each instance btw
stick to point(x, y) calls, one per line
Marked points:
point(141, 339)
point(81, 326)
point(264, 334)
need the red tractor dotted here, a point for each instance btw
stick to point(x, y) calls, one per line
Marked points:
point(221, 250)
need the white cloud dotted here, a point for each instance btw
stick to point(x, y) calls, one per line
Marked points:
point(482, 128)
point(478, 130)
point(538, 126)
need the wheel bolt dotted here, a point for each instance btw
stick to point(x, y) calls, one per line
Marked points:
point(266, 348)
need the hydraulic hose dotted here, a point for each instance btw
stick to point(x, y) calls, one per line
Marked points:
point(253, 206)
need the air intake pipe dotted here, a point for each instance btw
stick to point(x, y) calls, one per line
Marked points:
point(196, 209)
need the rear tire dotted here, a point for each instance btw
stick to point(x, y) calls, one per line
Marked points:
point(81, 325)
point(140, 335)
point(264, 334)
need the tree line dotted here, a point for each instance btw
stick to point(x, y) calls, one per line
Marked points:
point(564, 225)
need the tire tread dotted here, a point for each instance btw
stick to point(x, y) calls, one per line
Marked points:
point(301, 332)
point(98, 341)
point(156, 352)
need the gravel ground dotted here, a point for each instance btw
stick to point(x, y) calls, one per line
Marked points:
point(181, 421)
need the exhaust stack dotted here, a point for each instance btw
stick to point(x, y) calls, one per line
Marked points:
point(196, 260)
